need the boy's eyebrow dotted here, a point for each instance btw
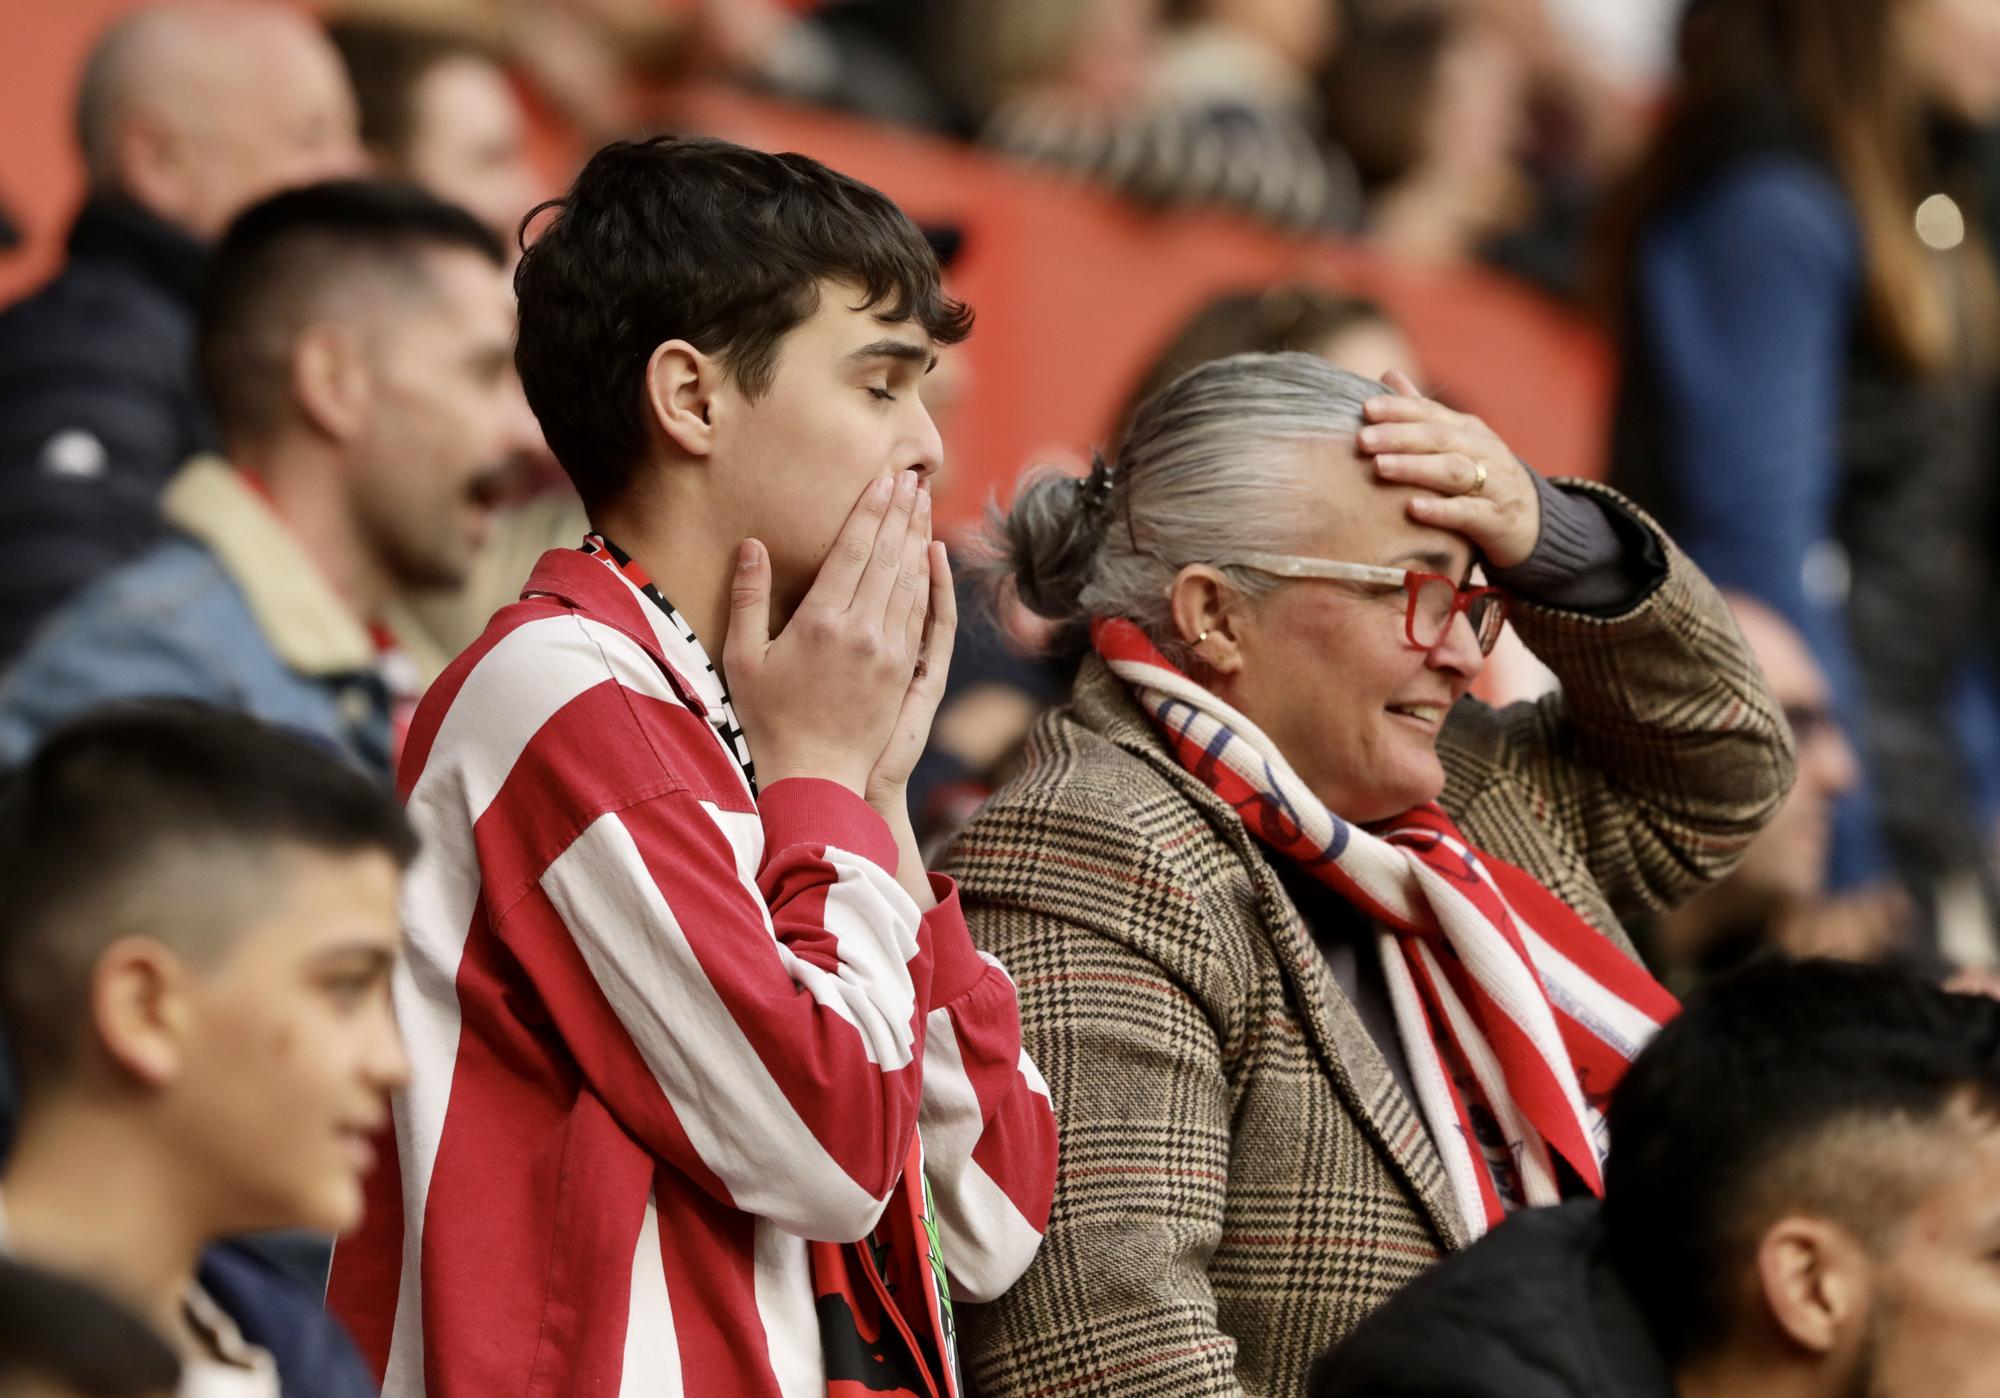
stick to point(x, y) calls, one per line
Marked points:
point(895, 349)
point(379, 957)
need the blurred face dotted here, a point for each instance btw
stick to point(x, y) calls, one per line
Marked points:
point(446, 417)
point(844, 408)
point(1303, 31)
point(282, 116)
point(1478, 115)
point(469, 144)
point(291, 1051)
point(1935, 1327)
point(1954, 46)
point(1788, 860)
point(1114, 50)
point(1327, 669)
point(1371, 348)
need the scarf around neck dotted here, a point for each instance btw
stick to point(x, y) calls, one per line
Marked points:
point(1516, 1015)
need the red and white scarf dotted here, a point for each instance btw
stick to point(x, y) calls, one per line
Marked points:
point(1517, 1017)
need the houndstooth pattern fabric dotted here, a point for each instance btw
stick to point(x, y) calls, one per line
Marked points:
point(1241, 1178)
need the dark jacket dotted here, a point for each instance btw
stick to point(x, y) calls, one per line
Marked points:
point(315, 1358)
point(98, 408)
point(1532, 1310)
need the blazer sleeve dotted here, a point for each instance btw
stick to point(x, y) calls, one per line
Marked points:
point(1117, 1302)
point(1663, 754)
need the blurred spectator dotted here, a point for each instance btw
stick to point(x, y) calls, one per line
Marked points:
point(1220, 111)
point(62, 1339)
point(1807, 387)
point(1799, 1202)
point(1052, 74)
point(439, 111)
point(186, 113)
point(1430, 103)
point(1776, 901)
point(355, 342)
point(1349, 332)
point(1242, 72)
point(865, 56)
point(201, 916)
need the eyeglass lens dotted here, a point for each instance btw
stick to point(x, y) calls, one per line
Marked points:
point(1436, 599)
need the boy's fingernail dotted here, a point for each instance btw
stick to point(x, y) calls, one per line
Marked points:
point(883, 488)
point(746, 555)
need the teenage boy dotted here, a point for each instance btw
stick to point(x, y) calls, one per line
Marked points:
point(1800, 1203)
point(711, 1092)
point(197, 918)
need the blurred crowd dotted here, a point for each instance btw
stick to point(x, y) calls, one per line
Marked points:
point(266, 452)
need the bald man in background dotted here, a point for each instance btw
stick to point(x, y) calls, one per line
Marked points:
point(186, 113)
point(1776, 900)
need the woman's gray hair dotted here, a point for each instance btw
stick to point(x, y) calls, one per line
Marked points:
point(1211, 468)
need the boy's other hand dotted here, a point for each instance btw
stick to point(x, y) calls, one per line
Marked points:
point(824, 696)
point(933, 627)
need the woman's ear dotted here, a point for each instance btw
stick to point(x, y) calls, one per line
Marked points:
point(680, 387)
point(1206, 619)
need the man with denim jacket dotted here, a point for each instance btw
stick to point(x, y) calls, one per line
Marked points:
point(355, 345)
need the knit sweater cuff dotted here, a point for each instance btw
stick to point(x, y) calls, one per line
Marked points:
point(1579, 563)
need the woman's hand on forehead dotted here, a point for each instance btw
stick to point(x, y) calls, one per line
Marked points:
point(1476, 486)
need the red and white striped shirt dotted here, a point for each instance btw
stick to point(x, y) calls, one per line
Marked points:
point(662, 1033)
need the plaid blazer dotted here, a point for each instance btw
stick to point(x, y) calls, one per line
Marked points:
point(1241, 1178)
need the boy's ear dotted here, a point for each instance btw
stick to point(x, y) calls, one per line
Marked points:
point(681, 383)
point(139, 1010)
point(1814, 1278)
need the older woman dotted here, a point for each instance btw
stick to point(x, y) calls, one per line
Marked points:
point(1321, 957)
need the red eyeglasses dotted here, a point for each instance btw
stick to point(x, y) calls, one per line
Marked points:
point(1434, 598)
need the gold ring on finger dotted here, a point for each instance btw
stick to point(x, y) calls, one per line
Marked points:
point(1478, 478)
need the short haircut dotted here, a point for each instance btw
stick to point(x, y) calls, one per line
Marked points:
point(1787, 1088)
point(155, 818)
point(58, 1330)
point(279, 266)
point(386, 62)
point(703, 241)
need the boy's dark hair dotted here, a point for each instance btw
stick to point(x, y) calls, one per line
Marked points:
point(1785, 1088)
point(156, 818)
point(708, 242)
point(280, 261)
point(58, 1330)
point(386, 61)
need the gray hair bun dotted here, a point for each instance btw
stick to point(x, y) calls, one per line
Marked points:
point(1052, 536)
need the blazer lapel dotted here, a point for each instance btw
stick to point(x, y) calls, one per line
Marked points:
point(1346, 1052)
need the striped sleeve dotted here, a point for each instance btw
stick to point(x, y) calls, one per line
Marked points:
point(988, 1128)
point(742, 984)
point(766, 1050)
